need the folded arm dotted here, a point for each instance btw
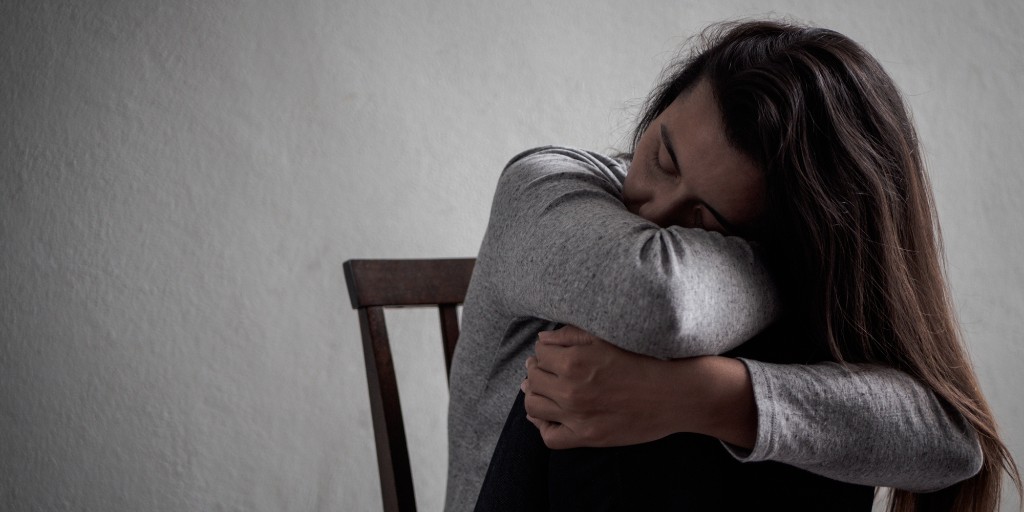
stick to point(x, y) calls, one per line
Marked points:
point(862, 424)
point(564, 248)
point(561, 246)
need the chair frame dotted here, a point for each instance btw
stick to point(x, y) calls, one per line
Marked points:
point(374, 285)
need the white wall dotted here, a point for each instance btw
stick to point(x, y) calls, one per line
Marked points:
point(180, 182)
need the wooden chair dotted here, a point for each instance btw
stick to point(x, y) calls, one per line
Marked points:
point(377, 284)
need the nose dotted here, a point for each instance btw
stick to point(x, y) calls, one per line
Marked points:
point(650, 210)
point(653, 213)
point(667, 210)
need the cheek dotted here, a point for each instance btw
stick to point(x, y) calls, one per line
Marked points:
point(637, 187)
point(629, 193)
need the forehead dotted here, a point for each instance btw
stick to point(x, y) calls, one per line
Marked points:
point(712, 168)
point(694, 118)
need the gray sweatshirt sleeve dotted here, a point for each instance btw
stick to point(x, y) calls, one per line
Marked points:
point(561, 246)
point(865, 424)
point(564, 248)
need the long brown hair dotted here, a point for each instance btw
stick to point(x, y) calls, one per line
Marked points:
point(851, 227)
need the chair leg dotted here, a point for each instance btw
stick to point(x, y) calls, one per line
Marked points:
point(388, 428)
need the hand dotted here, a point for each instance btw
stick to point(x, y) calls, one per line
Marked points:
point(583, 391)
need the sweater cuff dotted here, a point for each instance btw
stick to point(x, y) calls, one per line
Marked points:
point(763, 400)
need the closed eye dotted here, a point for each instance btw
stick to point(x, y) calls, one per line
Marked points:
point(666, 141)
point(656, 163)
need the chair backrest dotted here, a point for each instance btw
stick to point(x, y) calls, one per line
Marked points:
point(377, 284)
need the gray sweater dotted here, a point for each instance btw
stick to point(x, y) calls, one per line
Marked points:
point(561, 248)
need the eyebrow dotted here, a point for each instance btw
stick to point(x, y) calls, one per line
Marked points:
point(667, 141)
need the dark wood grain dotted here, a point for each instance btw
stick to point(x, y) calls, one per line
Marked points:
point(386, 411)
point(407, 282)
point(374, 285)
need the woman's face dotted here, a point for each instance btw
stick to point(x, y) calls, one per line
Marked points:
point(685, 172)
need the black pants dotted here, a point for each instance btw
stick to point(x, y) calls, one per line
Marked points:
point(680, 472)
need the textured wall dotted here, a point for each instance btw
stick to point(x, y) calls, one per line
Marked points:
point(181, 180)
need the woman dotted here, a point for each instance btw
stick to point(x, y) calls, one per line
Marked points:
point(794, 138)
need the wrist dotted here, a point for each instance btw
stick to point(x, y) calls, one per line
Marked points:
point(719, 399)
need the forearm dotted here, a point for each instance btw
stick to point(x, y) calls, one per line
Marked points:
point(868, 425)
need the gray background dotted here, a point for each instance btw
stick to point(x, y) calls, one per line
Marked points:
point(180, 182)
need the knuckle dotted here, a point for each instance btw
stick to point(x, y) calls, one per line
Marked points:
point(570, 365)
point(595, 435)
point(529, 406)
point(589, 433)
point(577, 397)
point(571, 395)
point(550, 437)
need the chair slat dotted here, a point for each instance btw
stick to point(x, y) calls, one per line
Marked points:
point(449, 333)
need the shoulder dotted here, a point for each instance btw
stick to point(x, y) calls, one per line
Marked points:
point(565, 155)
point(547, 160)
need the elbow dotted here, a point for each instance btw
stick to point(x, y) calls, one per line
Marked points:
point(960, 463)
point(664, 335)
point(704, 332)
point(971, 458)
point(680, 336)
point(967, 459)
